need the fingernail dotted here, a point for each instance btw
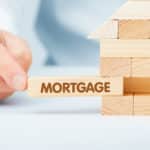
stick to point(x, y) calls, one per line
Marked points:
point(19, 82)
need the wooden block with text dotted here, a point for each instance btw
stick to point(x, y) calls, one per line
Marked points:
point(141, 67)
point(115, 67)
point(74, 86)
point(134, 29)
point(117, 105)
point(142, 105)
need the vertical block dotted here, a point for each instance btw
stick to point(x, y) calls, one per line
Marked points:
point(142, 105)
point(115, 67)
point(134, 29)
point(140, 67)
point(117, 105)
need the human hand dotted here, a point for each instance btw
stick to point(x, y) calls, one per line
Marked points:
point(15, 60)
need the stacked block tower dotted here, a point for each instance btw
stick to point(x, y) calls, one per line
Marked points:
point(125, 52)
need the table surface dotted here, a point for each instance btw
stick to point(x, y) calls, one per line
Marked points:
point(67, 123)
point(73, 131)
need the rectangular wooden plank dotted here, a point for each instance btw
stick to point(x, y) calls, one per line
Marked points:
point(133, 9)
point(137, 85)
point(115, 66)
point(74, 86)
point(117, 105)
point(134, 29)
point(140, 67)
point(108, 30)
point(142, 105)
point(124, 48)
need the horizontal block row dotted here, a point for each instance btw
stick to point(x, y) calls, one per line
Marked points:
point(74, 86)
point(127, 67)
point(124, 48)
point(87, 86)
point(123, 29)
point(126, 105)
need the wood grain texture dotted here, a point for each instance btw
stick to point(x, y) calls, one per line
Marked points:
point(134, 29)
point(115, 67)
point(137, 85)
point(142, 105)
point(108, 30)
point(137, 9)
point(74, 86)
point(117, 105)
point(140, 67)
point(124, 48)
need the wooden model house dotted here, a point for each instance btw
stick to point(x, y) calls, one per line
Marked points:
point(125, 52)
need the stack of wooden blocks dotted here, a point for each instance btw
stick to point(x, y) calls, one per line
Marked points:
point(125, 52)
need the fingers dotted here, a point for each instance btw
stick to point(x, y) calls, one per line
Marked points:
point(11, 71)
point(18, 48)
point(15, 60)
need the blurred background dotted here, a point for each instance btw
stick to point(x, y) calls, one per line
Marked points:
point(57, 30)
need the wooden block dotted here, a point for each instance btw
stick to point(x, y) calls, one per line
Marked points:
point(137, 85)
point(117, 105)
point(124, 48)
point(108, 30)
point(133, 9)
point(134, 29)
point(74, 86)
point(140, 67)
point(142, 105)
point(115, 67)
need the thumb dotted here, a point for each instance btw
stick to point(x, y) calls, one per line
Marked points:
point(11, 72)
